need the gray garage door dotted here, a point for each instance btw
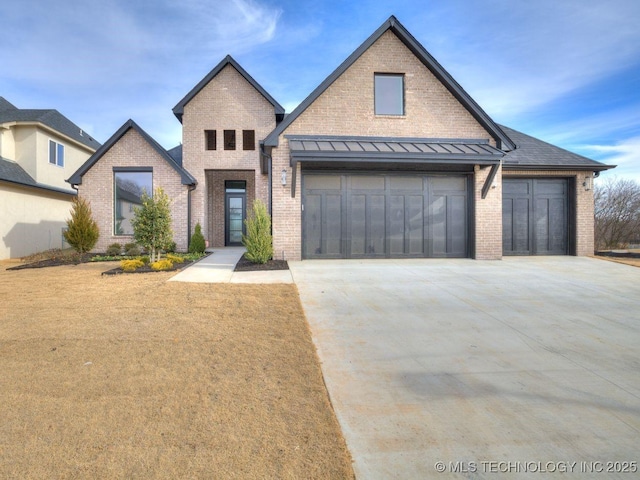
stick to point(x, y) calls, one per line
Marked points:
point(384, 216)
point(534, 216)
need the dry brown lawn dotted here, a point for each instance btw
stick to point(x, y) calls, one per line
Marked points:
point(131, 376)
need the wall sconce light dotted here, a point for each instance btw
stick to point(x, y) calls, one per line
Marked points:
point(283, 177)
point(588, 183)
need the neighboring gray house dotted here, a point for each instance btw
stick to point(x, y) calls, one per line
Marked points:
point(39, 149)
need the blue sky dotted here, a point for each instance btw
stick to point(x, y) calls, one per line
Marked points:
point(565, 71)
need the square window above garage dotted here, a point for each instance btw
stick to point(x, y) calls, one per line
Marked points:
point(389, 93)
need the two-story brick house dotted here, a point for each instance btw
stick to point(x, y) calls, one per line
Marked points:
point(388, 157)
point(39, 149)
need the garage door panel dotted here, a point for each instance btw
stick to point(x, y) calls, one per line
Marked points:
point(415, 214)
point(333, 224)
point(376, 231)
point(397, 228)
point(535, 216)
point(457, 225)
point(358, 224)
point(313, 225)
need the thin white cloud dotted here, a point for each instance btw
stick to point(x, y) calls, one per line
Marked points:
point(625, 154)
point(516, 57)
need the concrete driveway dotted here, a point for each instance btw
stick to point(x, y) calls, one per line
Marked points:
point(514, 366)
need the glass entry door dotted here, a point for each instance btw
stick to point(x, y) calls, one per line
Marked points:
point(235, 212)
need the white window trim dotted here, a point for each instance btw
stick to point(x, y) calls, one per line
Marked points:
point(58, 145)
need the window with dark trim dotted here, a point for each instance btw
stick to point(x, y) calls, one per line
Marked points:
point(229, 139)
point(389, 93)
point(56, 153)
point(128, 187)
point(248, 139)
point(210, 139)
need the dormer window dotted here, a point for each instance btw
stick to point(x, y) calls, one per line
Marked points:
point(389, 93)
point(56, 153)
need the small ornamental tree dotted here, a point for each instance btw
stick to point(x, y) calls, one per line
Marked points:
point(197, 243)
point(82, 230)
point(258, 240)
point(152, 223)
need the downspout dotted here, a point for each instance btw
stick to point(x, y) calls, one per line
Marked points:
point(190, 189)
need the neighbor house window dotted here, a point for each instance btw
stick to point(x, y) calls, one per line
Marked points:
point(389, 94)
point(229, 139)
point(128, 187)
point(56, 153)
point(248, 139)
point(210, 139)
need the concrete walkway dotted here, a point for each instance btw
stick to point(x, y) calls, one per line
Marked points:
point(218, 268)
point(465, 369)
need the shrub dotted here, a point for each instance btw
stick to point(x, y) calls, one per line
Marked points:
point(160, 265)
point(114, 249)
point(144, 259)
point(175, 258)
point(258, 240)
point(132, 250)
point(82, 230)
point(131, 265)
point(171, 248)
point(197, 244)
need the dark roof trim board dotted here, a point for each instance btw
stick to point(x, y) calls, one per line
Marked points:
point(178, 110)
point(76, 178)
point(502, 140)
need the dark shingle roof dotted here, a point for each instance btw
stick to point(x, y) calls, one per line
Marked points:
point(14, 173)
point(49, 117)
point(427, 60)
point(176, 154)
point(178, 110)
point(76, 178)
point(534, 153)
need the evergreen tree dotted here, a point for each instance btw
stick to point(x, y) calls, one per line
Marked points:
point(258, 240)
point(82, 230)
point(152, 223)
point(197, 243)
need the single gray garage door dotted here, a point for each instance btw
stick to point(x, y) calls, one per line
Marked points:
point(384, 216)
point(535, 216)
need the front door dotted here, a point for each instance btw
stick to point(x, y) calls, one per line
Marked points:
point(235, 212)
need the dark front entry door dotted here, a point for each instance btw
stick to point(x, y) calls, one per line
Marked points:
point(535, 216)
point(235, 212)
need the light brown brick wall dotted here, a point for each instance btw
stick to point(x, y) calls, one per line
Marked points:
point(347, 108)
point(583, 201)
point(216, 200)
point(487, 222)
point(97, 187)
point(227, 102)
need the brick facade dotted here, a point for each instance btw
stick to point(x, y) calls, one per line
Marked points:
point(227, 102)
point(97, 186)
point(347, 108)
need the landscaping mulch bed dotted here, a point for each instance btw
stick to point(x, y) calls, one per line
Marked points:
point(619, 254)
point(147, 268)
point(245, 265)
point(55, 261)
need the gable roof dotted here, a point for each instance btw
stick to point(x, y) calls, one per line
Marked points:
point(502, 140)
point(178, 110)
point(76, 178)
point(532, 153)
point(11, 172)
point(49, 117)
